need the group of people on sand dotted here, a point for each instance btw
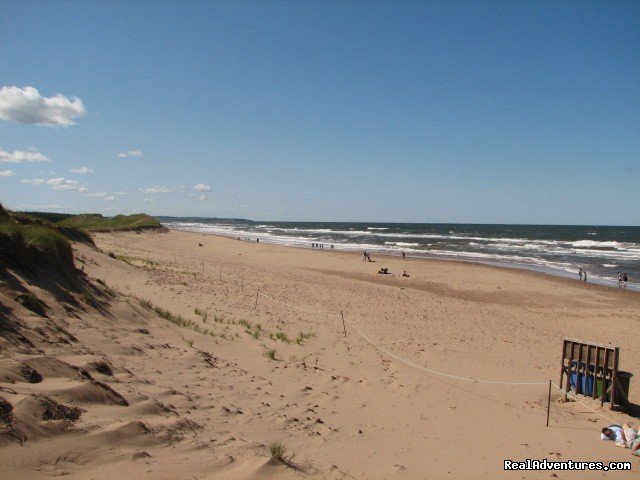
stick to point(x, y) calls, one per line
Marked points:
point(319, 246)
point(624, 436)
point(247, 239)
point(623, 279)
point(583, 275)
point(385, 271)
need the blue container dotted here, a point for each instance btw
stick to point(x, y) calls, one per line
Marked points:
point(581, 382)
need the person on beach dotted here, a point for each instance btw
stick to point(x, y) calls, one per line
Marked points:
point(625, 280)
point(619, 280)
point(364, 256)
point(403, 255)
point(405, 274)
point(624, 436)
point(580, 274)
point(585, 276)
point(614, 433)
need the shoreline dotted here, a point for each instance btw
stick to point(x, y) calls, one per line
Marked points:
point(503, 266)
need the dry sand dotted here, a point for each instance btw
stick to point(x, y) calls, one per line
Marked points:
point(203, 406)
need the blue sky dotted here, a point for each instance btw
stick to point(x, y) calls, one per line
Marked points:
point(489, 112)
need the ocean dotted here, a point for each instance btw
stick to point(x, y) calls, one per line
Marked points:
point(554, 249)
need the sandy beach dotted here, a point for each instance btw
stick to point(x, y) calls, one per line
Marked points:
point(209, 405)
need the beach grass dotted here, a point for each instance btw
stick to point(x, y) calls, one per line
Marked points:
point(282, 337)
point(27, 243)
point(277, 450)
point(271, 354)
point(302, 336)
point(95, 222)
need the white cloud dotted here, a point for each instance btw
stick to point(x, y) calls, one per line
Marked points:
point(65, 185)
point(33, 181)
point(120, 193)
point(6, 173)
point(95, 194)
point(131, 153)
point(110, 198)
point(158, 190)
point(201, 187)
point(81, 170)
point(22, 156)
point(204, 197)
point(26, 105)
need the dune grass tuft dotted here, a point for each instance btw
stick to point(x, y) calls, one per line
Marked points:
point(202, 314)
point(283, 337)
point(271, 354)
point(302, 336)
point(277, 450)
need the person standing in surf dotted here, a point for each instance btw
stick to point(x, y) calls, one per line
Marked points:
point(580, 274)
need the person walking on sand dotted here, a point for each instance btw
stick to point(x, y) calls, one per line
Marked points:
point(625, 280)
point(585, 276)
point(364, 256)
point(403, 256)
point(580, 274)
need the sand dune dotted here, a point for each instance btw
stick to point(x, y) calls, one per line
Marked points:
point(99, 383)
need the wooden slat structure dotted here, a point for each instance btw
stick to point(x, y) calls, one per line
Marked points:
point(590, 367)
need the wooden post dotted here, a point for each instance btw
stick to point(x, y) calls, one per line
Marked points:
point(605, 371)
point(614, 377)
point(580, 373)
point(562, 367)
point(256, 307)
point(595, 372)
point(568, 384)
point(588, 371)
point(343, 326)
point(549, 403)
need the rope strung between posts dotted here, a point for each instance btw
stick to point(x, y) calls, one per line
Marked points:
point(435, 372)
point(314, 312)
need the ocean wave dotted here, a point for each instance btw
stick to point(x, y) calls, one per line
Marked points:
point(403, 244)
point(596, 244)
